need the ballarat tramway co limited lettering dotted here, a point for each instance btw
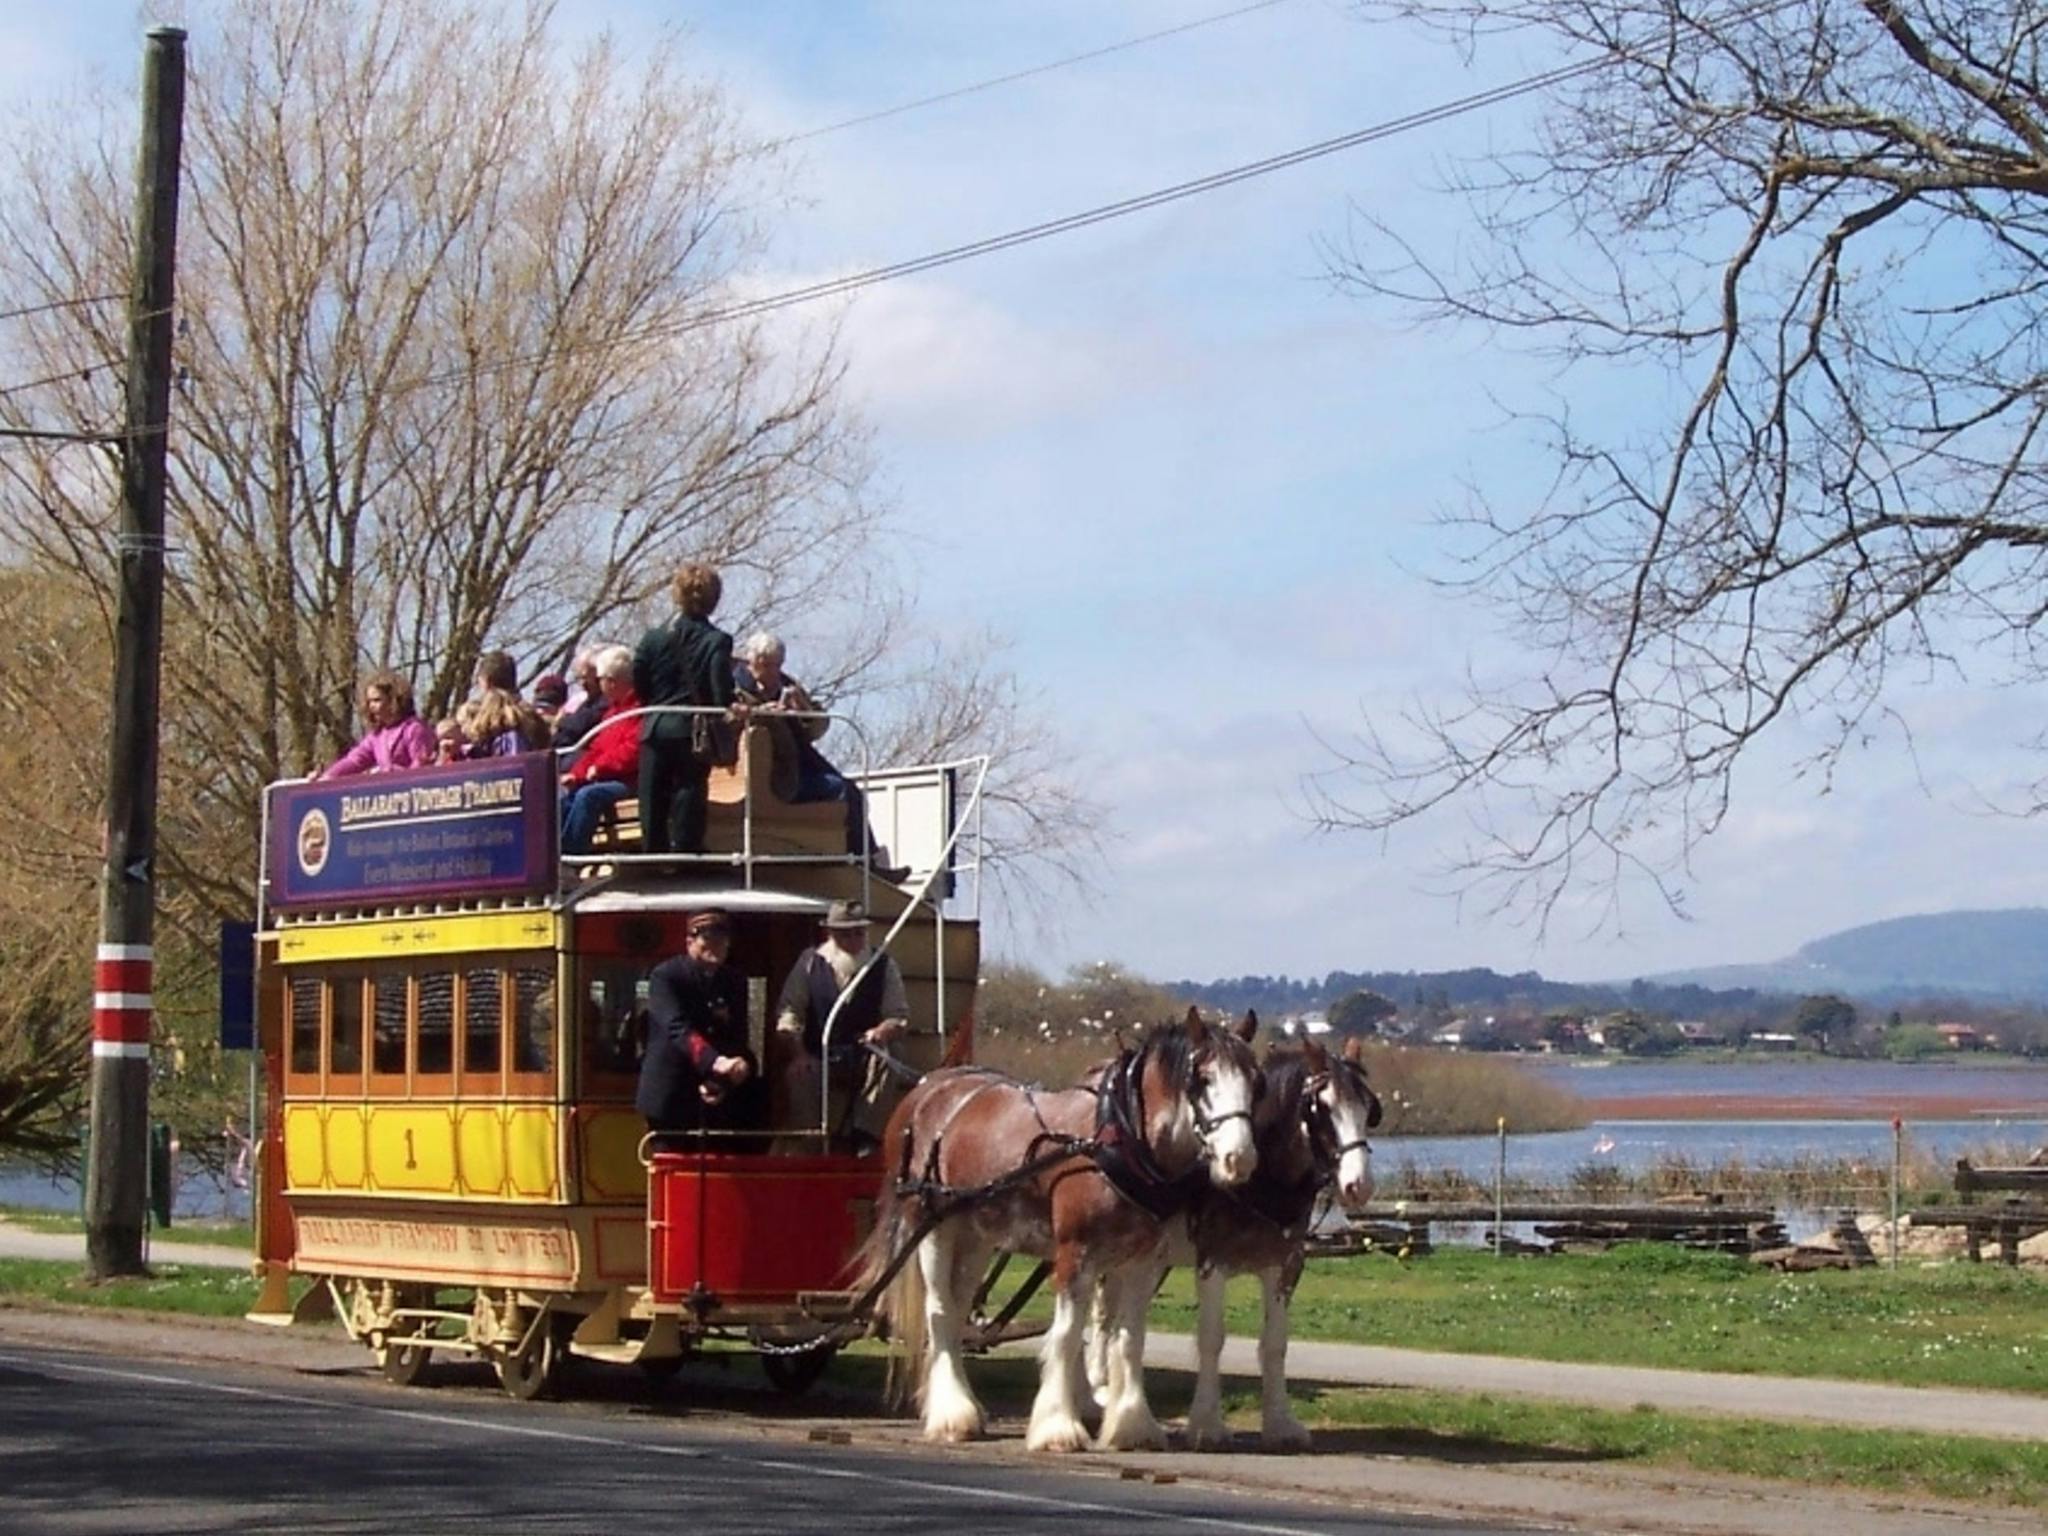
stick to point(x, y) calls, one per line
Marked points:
point(469, 795)
point(528, 1248)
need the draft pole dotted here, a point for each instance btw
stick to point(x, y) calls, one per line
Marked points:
point(118, 1163)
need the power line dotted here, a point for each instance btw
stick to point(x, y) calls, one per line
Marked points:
point(40, 309)
point(1025, 74)
point(35, 434)
point(1102, 213)
point(1031, 233)
point(56, 378)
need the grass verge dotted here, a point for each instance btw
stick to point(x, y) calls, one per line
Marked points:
point(1506, 1430)
point(1955, 1325)
point(192, 1290)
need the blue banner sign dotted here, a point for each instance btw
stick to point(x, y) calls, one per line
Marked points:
point(466, 829)
point(237, 986)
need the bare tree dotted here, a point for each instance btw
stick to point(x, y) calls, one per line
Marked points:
point(455, 372)
point(1044, 832)
point(1820, 229)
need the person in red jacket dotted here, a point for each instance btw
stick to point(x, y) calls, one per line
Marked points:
point(609, 766)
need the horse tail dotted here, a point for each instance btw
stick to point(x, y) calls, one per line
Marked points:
point(899, 1310)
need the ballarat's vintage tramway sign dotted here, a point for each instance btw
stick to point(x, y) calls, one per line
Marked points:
point(470, 828)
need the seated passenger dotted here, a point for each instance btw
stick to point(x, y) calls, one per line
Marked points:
point(864, 1083)
point(606, 770)
point(698, 1072)
point(550, 697)
point(500, 724)
point(449, 742)
point(396, 738)
point(581, 713)
point(496, 672)
point(801, 774)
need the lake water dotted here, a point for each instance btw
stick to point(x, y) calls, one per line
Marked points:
point(199, 1198)
point(1632, 1145)
point(1866, 1086)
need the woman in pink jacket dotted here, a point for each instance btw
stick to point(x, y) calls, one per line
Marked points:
point(397, 737)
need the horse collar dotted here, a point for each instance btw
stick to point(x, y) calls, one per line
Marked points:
point(1124, 1154)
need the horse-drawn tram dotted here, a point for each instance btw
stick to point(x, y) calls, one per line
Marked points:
point(452, 1015)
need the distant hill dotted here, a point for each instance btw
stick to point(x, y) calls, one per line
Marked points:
point(1475, 989)
point(1996, 956)
point(1999, 955)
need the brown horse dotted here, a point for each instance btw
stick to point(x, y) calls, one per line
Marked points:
point(1310, 1126)
point(1085, 1178)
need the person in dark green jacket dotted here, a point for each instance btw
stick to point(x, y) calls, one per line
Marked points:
point(686, 661)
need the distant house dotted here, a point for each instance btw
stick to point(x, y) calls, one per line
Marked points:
point(1451, 1037)
point(1961, 1037)
point(1305, 1024)
point(1774, 1040)
point(1699, 1032)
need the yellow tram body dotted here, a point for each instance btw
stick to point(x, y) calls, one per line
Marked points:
point(455, 1159)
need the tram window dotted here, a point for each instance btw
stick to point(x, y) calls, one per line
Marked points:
point(387, 1046)
point(306, 1026)
point(483, 1022)
point(436, 1056)
point(615, 1019)
point(345, 1046)
point(533, 1018)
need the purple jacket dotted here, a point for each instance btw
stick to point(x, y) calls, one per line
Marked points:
point(408, 744)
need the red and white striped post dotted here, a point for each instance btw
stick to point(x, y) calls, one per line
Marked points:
point(121, 1002)
point(117, 1163)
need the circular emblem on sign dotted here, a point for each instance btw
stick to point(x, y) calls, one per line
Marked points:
point(314, 840)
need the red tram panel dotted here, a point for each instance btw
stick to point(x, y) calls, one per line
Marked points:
point(746, 1230)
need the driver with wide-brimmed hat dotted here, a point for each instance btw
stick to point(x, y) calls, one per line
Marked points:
point(876, 1012)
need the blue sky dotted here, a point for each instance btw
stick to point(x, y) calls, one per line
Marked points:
point(1194, 486)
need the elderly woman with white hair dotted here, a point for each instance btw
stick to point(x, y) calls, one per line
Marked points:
point(580, 714)
point(607, 769)
point(801, 774)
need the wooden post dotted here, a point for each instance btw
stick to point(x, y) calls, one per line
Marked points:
point(1898, 1161)
point(1500, 1181)
point(123, 1006)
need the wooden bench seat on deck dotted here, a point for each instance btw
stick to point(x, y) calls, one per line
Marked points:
point(816, 827)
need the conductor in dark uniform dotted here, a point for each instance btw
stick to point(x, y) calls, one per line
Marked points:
point(699, 1072)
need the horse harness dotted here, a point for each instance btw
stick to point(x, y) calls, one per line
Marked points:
point(1286, 1206)
point(1118, 1149)
point(1124, 1154)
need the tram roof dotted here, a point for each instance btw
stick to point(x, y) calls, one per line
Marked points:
point(695, 895)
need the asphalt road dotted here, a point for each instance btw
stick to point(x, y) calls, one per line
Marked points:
point(93, 1444)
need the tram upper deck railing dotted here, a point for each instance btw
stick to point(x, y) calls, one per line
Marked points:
point(485, 831)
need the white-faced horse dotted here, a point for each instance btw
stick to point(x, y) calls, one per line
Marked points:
point(1084, 1178)
point(1310, 1125)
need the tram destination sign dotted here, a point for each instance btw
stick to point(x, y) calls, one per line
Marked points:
point(485, 828)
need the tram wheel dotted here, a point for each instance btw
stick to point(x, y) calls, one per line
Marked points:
point(403, 1365)
point(795, 1373)
point(536, 1371)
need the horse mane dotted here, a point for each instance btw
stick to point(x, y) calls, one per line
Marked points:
point(1287, 1073)
point(1169, 1046)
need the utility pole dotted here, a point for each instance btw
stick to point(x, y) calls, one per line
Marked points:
point(118, 1166)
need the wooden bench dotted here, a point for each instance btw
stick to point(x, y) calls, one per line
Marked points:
point(780, 827)
point(2021, 1214)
